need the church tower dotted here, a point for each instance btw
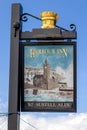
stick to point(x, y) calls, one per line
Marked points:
point(46, 73)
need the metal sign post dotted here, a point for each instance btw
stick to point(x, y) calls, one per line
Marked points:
point(14, 89)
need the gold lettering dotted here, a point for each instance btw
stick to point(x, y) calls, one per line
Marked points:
point(32, 53)
point(39, 51)
point(62, 51)
point(30, 104)
point(53, 51)
point(43, 51)
point(65, 51)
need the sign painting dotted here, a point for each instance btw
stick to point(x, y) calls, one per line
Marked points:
point(49, 77)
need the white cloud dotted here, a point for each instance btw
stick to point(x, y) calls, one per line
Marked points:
point(3, 105)
point(3, 122)
point(69, 122)
point(66, 122)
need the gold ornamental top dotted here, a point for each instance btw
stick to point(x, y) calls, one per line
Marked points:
point(49, 19)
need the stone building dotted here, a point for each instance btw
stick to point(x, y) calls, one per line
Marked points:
point(47, 80)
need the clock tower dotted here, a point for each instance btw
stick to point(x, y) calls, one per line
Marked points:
point(46, 72)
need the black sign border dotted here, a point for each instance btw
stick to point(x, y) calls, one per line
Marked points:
point(72, 107)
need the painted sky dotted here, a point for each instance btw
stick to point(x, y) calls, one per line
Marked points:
point(69, 12)
point(59, 55)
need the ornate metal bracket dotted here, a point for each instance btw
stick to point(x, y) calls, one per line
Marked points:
point(24, 18)
point(73, 27)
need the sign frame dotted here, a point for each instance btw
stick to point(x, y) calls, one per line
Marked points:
point(47, 106)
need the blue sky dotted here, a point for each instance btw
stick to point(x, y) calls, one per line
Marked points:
point(69, 12)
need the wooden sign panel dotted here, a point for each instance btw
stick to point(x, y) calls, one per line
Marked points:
point(48, 76)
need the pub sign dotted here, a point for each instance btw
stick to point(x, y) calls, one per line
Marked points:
point(48, 76)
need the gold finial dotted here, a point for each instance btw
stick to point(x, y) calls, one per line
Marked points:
point(49, 19)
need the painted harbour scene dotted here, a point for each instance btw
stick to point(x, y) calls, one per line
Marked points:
point(48, 73)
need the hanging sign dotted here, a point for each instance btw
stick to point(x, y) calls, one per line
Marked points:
point(48, 76)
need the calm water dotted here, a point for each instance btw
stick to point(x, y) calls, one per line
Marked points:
point(46, 97)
